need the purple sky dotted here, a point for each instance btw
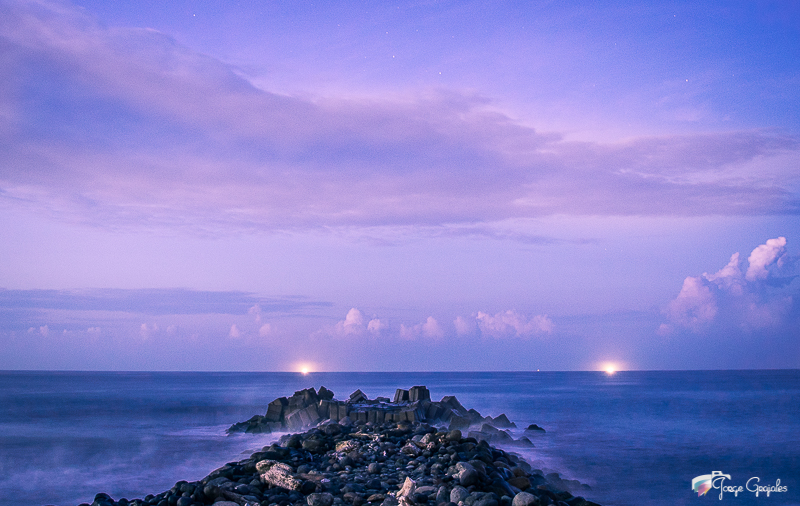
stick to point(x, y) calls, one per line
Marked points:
point(399, 186)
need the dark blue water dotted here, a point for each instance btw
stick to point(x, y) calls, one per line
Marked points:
point(634, 437)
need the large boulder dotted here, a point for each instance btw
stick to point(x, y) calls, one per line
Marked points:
point(525, 499)
point(278, 474)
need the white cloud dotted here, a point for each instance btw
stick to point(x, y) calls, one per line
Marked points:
point(352, 325)
point(694, 307)
point(93, 331)
point(511, 323)
point(376, 326)
point(764, 256)
point(265, 330)
point(729, 277)
point(731, 300)
point(430, 328)
point(234, 333)
point(464, 326)
point(255, 311)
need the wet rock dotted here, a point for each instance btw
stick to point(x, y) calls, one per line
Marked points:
point(525, 499)
point(458, 494)
point(319, 499)
point(278, 474)
point(521, 482)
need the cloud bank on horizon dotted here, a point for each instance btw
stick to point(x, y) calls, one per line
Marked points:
point(510, 187)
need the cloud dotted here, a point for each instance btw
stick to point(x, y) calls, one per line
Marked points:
point(265, 330)
point(694, 307)
point(43, 331)
point(353, 326)
point(168, 301)
point(234, 333)
point(511, 323)
point(764, 256)
point(376, 326)
point(170, 137)
point(465, 326)
point(146, 332)
point(430, 328)
point(761, 298)
point(255, 311)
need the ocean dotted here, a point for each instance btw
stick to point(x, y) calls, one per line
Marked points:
point(636, 438)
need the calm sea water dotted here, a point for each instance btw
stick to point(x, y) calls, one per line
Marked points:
point(634, 437)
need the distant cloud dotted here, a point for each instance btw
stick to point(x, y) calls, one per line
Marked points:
point(353, 326)
point(465, 326)
point(43, 331)
point(376, 326)
point(255, 311)
point(428, 329)
point(729, 299)
point(146, 332)
point(234, 333)
point(155, 301)
point(511, 323)
point(172, 137)
point(265, 330)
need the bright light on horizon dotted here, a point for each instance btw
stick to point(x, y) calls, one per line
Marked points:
point(304, 368)
point(610, 368)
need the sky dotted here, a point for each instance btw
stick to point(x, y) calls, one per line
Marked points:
point(399, 186)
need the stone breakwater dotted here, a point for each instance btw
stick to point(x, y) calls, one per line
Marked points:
point(308, 408)
point(352, 461)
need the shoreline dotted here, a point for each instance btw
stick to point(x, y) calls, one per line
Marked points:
point(359, 461)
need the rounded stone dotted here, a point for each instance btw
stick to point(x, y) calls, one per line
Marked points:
point(468, 477)
point(458, 494)
point(320, 499)
point(374, 468)
point(525, 499)
point(185, 501)
point(454, 435)
point(521, 482)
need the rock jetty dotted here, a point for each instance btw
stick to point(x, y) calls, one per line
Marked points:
point(375, 454)
point(308, 408)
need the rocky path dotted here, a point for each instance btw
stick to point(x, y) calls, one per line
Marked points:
point(367, 463)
